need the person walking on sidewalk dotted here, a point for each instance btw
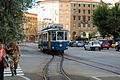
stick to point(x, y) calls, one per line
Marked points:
point(2, 55)
point(14, 55)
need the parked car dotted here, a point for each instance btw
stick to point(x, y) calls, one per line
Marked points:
point(92, 45)
point(105, 44)
point(80, 44)
point(114, 45)
point(118, 47)
point(72, 44)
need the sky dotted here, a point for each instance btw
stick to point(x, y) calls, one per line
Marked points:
point(34, 10)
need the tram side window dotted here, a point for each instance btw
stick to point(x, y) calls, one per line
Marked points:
point(45, 37)
point(53, 35)
point(65, 35)
point(60, 36)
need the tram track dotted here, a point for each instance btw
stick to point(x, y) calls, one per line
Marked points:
point(61, 69)
point(45, 69)
point(102, 66)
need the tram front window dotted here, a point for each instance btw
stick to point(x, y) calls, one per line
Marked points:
point(53, 35)
point(60, 35)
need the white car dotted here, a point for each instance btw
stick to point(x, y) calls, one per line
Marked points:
point(92, 45)
point(80, 44)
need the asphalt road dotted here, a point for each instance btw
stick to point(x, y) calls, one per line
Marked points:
point(33, 61)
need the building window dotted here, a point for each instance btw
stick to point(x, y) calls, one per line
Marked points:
point(88, 5)
point(79, 5)
point(61, 11)
point(79, 10)
point(84, 11)
point(88, 25)
point(79, 17)
point(74, 11)
point(73, 25)
point(67, 11)
point(40, 26)
point(83, 5)
point(67, 18)
point(61, 5)
point(55, 19)
point(66, 26)
point(88, 18)
point(83, 25)
point(67, 5)
point(74, 17)
point(93, 5)
point(84, 18)
point(61, 18)
point(74, 5)
point(88, 11)
point(79, 25)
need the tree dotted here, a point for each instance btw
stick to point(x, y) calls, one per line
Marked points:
point(114, 21)
point(11, 19)
point(108, 20)
point(100, 17)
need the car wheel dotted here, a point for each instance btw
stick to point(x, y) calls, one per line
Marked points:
point(108, 48)
point(99, 49)
point(91, 49)
point(85, 48)
point(117, 49)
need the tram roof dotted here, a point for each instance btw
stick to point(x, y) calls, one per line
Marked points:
point(54, 29)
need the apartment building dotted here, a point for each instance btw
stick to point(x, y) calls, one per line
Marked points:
point(30, 27)
point(75, 15)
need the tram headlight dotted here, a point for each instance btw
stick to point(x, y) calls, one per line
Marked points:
point(53, 47)
point(60, 45)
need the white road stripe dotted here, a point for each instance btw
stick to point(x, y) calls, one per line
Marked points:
point(24, 77)
point(96, 78)
point(19, 71)
point(8, 72)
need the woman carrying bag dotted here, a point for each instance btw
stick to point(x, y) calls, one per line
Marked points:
point(2, 56)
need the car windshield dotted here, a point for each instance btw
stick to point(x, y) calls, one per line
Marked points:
point(95, 43)
point(105, 43)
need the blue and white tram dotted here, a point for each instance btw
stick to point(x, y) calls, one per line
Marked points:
point(53, 38)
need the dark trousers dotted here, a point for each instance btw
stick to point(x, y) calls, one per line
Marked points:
point(1, 71)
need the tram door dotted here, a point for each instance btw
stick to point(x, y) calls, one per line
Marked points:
point(49, 40)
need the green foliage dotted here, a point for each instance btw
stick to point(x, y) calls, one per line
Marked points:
point(100, 18)
point(107, 20)
point(11, 19)
point(114, 21)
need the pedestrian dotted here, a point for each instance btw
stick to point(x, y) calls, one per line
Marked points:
point(14, 55)
point(2, 55)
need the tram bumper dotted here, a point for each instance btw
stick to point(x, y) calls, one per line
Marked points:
point(59, 45)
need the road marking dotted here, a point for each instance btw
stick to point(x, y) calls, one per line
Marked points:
point(7, 72)
point(26, 78)
point(96, 78)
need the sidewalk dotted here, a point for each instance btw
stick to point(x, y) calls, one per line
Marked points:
point(32, 44)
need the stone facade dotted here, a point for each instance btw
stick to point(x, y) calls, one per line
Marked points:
point(75, 15)
point(30, 27)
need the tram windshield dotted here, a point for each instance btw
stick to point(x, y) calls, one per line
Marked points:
point(60, 35)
